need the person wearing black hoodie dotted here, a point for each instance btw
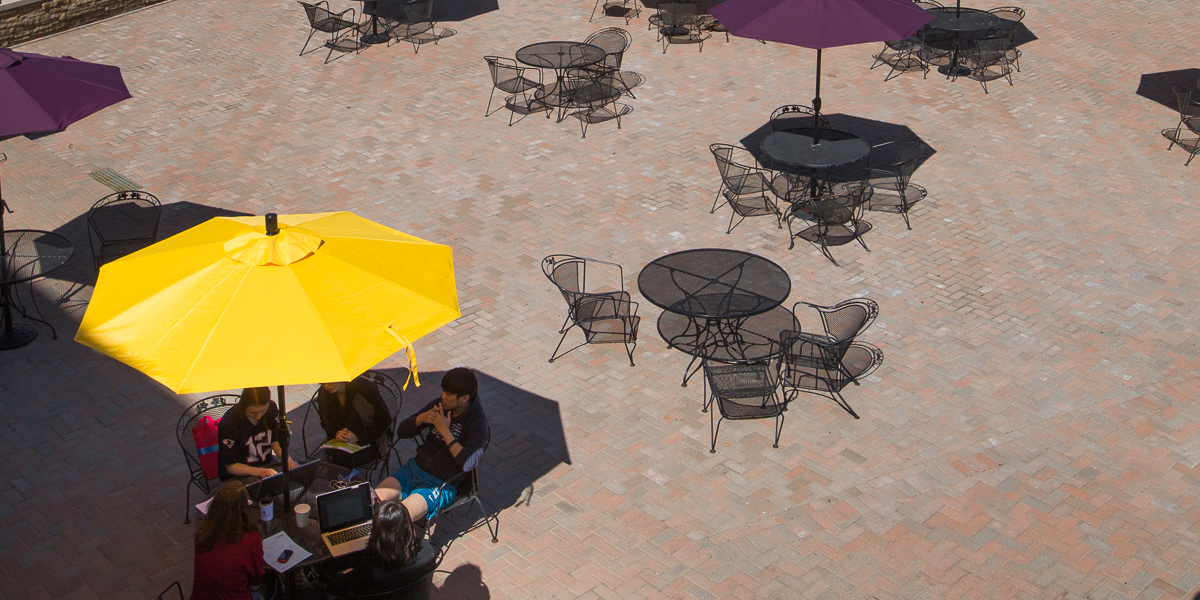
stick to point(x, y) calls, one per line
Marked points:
point(451, 432)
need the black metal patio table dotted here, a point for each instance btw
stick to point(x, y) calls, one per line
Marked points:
point(376, 36)
point(714, 292)
point(27, 254)
point(959, 21)
point(796, 148)
point(559, 56)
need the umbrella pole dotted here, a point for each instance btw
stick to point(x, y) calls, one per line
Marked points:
point(817, 104)
point(284, 435)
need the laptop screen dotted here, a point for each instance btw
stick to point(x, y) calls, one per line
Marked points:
point(343, 508)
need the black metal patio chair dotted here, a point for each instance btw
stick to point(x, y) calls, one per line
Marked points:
point(393, 398)
point(889, 174)
point(825, 363)
point(512, 79)
point(467, 492)
point(605, 317)
point(594, 94)
point(1189, 112)
point(412, 21)
point(835, 219)
point(212, 406)
point(122, 223)
point(615, 41)
point(680, 24)
point(744, 185)
point(742, 392)
point(629, 9)
point(796, 117)
point(320, 18)
point(902, 56)
point(990, 60)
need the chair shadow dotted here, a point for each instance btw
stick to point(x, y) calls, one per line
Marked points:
point(872, 131)
point(1157, 86)
point(465, 582)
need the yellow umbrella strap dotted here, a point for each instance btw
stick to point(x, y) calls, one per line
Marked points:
point(412, 357)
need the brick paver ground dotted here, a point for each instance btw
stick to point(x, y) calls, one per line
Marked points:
point(1031, 434)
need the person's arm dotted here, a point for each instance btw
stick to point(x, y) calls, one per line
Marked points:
point(465, 449)
point(409, 427)
point(257, 564)
point(324, 399)
point(373, 430)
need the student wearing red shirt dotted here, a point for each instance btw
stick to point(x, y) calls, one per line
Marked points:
point(229, 551)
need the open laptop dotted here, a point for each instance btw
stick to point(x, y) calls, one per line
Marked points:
point(299, 478)
point(345, 518)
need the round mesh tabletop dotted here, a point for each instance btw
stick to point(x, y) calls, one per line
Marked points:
point(32, 254)
point(714, 283)
point(795, 148)
point(560, 55)
point(967, 19)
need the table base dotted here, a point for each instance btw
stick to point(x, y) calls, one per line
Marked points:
point(21, 335)
point(375, 38)
point(954, 70)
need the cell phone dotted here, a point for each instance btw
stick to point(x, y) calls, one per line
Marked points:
point(285, 556)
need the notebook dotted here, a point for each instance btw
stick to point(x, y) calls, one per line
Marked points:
point(345, 518)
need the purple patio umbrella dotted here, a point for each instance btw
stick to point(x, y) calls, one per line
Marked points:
point(821, 24)
point(43, 93)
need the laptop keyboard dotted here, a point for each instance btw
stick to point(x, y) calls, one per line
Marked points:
point(348, 535)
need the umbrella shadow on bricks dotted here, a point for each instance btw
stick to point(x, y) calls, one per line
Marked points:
point(872, 131)
point(1157, 86)
point(527, 443)
point(442, 11)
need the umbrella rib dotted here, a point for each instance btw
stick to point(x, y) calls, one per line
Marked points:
point(213, 330)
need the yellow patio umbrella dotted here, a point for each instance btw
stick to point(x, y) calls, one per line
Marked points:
point(229, 304)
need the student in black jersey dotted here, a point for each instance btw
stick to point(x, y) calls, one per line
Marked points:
point(352, 412)
point(248, 437)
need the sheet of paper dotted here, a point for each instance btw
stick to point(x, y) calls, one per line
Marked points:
point(275, 545)
point(202, 508)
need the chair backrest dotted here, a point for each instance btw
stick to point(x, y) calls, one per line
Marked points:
point(316, 12)
point(846, 320)
point(728, 157)
point(900, 158)
point(1188, 108)
point(615, 41)
point(178, 590)
point(212, 406)
point(927, 4)
point(795, 116)
point(419, 12)
point(740, 381)
point(1011, 15)
point(123, 217)
point(678, 14)
point(502, 69)
point(992, 49)
point(839, 208)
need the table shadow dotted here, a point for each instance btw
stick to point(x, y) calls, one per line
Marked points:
point(443, 11)
point(1157, 86)
point(872, 131)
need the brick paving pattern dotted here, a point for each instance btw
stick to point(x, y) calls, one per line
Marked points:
point(1031, 434)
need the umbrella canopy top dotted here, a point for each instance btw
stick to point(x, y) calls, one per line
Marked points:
point(821, 24)
point(224, 305)
point(44, 93)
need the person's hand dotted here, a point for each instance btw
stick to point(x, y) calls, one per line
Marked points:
point(264, 472)
point(440, 420)
point(292, 464)
point(427, 416)
point(346, 435)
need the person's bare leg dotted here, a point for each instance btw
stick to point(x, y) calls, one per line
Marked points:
point(388, 489)
point(415, 503)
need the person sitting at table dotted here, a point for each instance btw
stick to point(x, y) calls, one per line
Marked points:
point(352, 412)
point(248, 437)
point(396, 555)
point(229, 551)
point(450, 431)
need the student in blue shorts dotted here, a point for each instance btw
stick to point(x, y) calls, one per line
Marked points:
point(450, 433)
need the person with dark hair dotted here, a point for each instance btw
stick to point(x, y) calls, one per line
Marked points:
point(248, 436)
point(229, 552)
point(396, 556)
point(352, 412)
point(451, 432)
